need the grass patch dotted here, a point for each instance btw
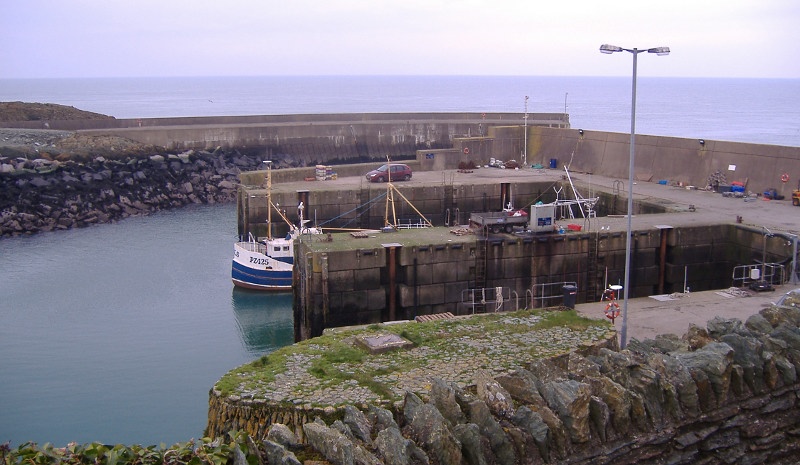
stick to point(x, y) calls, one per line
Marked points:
point(569, 319)
point(329, 364)
point(490, 341)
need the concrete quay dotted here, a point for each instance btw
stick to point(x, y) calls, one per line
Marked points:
point(684, 206)
point(651, 316)
point(696, 240)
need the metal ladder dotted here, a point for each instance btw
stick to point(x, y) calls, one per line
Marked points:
point(481, 252)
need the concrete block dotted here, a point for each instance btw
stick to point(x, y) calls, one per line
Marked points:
point(420, 274)
point(445, 272)
point(432, 294)
point(690, 254)
point(341, 281)
point(356, 259)
point(367, 279)
point(516, 268)
point(407, 255)
point(466, 271)
point(453, 291)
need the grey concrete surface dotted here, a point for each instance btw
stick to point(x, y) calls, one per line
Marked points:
point(649, 317)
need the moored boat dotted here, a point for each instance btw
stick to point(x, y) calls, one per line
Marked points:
point(263, 265)
point(267, 264)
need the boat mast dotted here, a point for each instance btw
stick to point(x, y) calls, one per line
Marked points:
point(269, 199)
point(389, 195)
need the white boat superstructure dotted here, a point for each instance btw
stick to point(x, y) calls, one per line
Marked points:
point(267, 264)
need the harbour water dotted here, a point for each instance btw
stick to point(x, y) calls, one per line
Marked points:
point(115, 333)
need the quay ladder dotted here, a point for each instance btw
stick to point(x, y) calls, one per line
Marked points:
point(481, 252)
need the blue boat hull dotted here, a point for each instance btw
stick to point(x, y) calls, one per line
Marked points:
point(251, 278)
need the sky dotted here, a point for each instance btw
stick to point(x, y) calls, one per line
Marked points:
point(136, 38)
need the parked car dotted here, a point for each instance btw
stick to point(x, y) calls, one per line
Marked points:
point(390, 171)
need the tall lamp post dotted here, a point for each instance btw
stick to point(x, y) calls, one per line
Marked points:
point(605, 48)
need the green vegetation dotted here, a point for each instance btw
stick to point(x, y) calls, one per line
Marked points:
point(496, 342)
point(204, 452)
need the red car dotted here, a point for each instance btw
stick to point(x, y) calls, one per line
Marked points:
point(392, 171)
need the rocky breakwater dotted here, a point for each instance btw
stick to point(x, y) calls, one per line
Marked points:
point(43, 194)
point(727, 393)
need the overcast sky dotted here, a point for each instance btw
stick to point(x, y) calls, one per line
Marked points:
point(131, 38)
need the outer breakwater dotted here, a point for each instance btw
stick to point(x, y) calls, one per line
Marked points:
point(43, 195)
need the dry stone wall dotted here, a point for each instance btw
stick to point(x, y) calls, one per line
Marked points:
point(727, 393)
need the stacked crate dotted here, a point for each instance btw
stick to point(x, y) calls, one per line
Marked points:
point(324, 173)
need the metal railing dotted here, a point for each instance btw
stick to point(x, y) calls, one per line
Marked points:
point(772, 273)
point(547, 292)
point(494, 298)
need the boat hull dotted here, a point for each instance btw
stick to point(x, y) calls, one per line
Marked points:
point(253, 269)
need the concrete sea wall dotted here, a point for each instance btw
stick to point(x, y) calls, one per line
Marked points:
point(727, 393)
point(311, 139)
point(675, 159)
point(369, 282)
point(359, 137)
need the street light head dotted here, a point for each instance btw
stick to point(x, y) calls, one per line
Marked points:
point(605, 48)
point(660, 51)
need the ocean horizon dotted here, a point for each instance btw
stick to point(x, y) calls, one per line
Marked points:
point(762, 111)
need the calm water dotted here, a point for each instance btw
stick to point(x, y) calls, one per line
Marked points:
point(115, 333)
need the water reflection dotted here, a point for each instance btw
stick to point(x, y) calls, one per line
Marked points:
point(264, 319)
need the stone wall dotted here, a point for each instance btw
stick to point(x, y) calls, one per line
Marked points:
point(727, 393)
point(43, 195)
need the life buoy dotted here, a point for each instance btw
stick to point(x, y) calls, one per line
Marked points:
point(612, 310)
point(785, 177)
point(466, 150)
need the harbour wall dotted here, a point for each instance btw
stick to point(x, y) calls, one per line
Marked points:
point(688, 161)
point(364, 283)
point(308, 139)
point(727, 393)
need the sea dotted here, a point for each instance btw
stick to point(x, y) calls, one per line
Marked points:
point(116, 333)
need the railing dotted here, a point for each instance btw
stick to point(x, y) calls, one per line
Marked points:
point(251, 245)
point(772, 273)
point(409, 225)
point(544, 292)
point(489, 297)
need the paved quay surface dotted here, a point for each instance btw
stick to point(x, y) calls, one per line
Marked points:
point(649, 317)
point(709, 207)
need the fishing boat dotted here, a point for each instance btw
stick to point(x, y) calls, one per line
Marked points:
point(267, 264)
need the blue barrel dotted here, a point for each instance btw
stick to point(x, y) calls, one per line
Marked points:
point(553, 163)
